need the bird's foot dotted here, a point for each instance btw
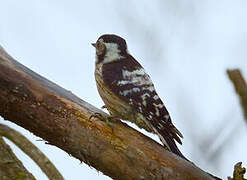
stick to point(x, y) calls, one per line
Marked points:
point(104, 107)
point(107, 119)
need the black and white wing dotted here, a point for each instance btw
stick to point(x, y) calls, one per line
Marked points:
point(129, 81)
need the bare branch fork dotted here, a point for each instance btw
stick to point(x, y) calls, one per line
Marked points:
point(62, 119)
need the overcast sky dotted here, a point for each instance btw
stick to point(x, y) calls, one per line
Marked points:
point(186, 48)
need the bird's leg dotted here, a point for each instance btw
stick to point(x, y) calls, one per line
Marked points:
point(106, 118)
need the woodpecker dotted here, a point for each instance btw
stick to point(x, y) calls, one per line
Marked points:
point(128, 91)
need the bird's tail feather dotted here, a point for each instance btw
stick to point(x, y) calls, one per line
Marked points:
point(168, 141)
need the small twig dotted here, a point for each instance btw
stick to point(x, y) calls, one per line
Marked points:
point(32, 151)
point(238, 173)
point(240, 87)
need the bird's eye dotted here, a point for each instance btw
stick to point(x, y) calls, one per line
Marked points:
point(97, 44)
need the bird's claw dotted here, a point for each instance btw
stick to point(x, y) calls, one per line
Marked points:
point(96, 115)
point(106, 119)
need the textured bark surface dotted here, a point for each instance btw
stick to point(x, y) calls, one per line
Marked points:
point(238, 173)
point(62, 119)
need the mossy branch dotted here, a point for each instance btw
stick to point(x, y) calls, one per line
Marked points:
point(238, 173)
point(62, 119)
point(32, 151)
point(10, 166)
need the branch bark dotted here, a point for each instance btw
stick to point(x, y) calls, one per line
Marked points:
point(10, 166)
point(238, 172)
point(240, 87)
point(32, 151)
point(62, 119)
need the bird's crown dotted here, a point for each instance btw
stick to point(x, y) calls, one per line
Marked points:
point(112, 38)
point(110, 47)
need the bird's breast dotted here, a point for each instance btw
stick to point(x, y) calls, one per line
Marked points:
point(116, 106)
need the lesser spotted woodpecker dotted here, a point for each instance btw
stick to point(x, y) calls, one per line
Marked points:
point(128, 92)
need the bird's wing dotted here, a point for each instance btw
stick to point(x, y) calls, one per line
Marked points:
point(132, 84)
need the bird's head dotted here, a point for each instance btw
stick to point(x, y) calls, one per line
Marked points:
point(109, 48)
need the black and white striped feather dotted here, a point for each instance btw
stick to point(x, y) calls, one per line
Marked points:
point(127, 80)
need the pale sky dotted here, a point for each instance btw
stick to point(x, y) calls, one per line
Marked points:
point(186, 48)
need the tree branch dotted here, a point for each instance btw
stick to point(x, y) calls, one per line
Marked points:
point(32, 151)
point(62, 119)
point(240, 87)
point(10, 166)
point(238, 173)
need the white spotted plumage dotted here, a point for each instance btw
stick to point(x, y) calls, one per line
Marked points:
point(128, 91)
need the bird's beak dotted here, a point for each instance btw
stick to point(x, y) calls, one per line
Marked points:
point(94, 44)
